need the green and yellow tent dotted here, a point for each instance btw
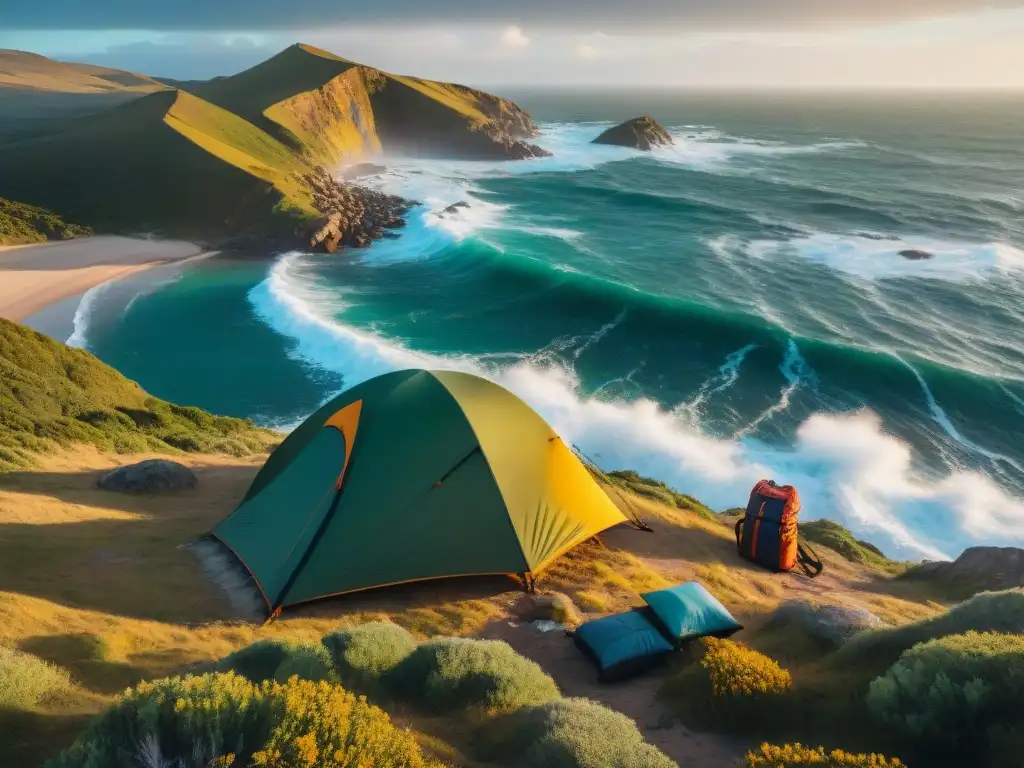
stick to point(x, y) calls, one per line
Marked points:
point(410, 476)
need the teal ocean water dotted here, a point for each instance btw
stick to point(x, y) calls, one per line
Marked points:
point(729, 308)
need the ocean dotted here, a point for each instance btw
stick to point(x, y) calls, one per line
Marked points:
point(730, 308)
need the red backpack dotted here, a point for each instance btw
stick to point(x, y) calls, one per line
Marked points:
point(767, 533)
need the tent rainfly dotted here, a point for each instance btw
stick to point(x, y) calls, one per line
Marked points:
point(410, 476)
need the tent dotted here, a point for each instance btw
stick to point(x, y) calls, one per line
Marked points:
point(410, 476)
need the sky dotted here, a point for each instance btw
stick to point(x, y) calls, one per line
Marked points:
point(714, 44)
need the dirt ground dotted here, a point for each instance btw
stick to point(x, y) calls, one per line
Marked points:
point(82, 568)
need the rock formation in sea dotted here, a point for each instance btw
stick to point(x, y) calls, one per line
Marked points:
point(353, 216)
point(639, 133)
point(913, 254)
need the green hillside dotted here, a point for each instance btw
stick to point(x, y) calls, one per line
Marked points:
point(228, 156)
point(31, 72)
point(21, 224)
point(167, 163)
point(53, 395)
point(39, 95)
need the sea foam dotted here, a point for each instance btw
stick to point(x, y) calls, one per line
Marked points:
point(877, 258)
point(846, 466)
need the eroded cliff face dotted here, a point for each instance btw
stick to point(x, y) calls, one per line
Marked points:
point(332, 124)
point(362, 112)
point(506, 115)
point(424, 118)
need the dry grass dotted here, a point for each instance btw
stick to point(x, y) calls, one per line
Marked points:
point(103, 585)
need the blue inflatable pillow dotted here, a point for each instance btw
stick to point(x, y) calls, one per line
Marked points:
point(689, 611)
point(622, 645)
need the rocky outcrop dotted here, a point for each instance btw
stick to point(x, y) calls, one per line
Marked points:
point(150, 476)
point(639, 133)
point(362, 169)
point(833, 625)
point(977, 569)
point(454, 208)
point(512, 148)
point(508, 126)
point(422, 118)
point(353, 216)
point(506, 115)
point(912, 254)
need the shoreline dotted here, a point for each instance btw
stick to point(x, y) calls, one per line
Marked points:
point(42, 285)
point(59, 320)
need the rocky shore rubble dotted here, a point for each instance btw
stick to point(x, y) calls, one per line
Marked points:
point(352, 216)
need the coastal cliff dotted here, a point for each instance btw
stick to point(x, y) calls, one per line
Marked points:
point(233, 159)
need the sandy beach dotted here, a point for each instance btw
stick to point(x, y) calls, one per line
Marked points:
point(34, 277)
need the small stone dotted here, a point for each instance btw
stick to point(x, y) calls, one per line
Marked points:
point(912, 254)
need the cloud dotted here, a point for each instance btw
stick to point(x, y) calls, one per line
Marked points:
point(689, 15)
point(514, 37)
point(585, 51)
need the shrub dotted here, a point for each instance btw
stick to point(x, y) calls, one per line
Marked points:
point(659, 491)
point(876, 651)
point(576, 733)
point(190, 718)
point(365, 654)
point(194, 722)
point(794, 755)
point(256, 662)
point(310, 661)
point(837, 537)
point(324, 726)
point(736, 671)
point(26, 679)
point(959, 695)
point(457, 672)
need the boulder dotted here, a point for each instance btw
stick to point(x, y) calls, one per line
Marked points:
point(362, 169)
point(834, 625)
point(552, 607)
point(639, 133)
point(912, 254)
point(977, 569)
point(151, 476)
point(454, 208)
point(353, 216)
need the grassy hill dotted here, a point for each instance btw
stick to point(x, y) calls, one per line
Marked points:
point(52, 395)
point(26, 71)
point(99, 591)
point(39, 95)
point(227, 155)
point(167, 162)
point(21, 224)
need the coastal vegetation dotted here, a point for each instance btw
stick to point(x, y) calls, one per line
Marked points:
point(22, 224)
point(113, 642)
point(52, 395)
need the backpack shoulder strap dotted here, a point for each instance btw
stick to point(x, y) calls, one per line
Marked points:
point(739, 527)
point(810, 563)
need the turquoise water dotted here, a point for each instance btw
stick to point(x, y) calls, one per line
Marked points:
point(729, 308)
